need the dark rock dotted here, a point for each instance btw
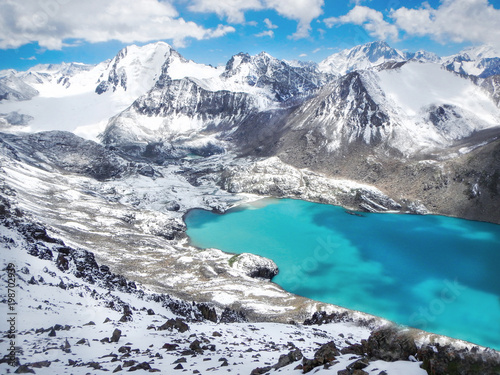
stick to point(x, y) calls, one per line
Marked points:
point(344, 372)
point(141, 366)
point(129, 363)
point(40, 364)
point(91, 323)
point(94, 365)
point(287, 359)
point(357, 349)
point(147, 171)
point(116, 335)
point(170, 347)
point(62, 262)
point(173, 206)
point(181, 360)
point(118, 368)
point(216, 334)
point(445, 360)
point(261, 370)
point(178, 324)
point(178, 367)
point(359, 364)
point(81, 341)
point(207, 312)
point(52, 333)
point(127, 314)
point(124, 349)
point(196, 346)
point(24, 369)
point(231, 316)
point(325, 354)
point(322, 317)
point(390, 344)
point(151, 312)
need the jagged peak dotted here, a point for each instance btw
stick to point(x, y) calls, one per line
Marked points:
point(480, 52)
point(151, 48)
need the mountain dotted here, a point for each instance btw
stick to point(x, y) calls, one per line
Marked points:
point(66, 96)
point(424, 56)
point(14, 88)
point(410, 108)
point(183, 105)
point(369, 102)
point(361, 57)
point(482, 61)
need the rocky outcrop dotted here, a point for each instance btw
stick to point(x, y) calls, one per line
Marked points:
point(14, 88)
point(275, 178)
point(254, 266)
point(70, 153)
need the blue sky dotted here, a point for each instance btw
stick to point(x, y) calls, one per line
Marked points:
point(208, 31)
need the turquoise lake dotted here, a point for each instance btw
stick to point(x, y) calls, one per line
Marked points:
point(435, 273)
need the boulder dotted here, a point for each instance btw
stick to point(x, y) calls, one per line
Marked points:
point(116, 335)
point(391, 344)
point(255, 266)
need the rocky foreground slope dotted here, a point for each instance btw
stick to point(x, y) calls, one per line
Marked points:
point(70, 315)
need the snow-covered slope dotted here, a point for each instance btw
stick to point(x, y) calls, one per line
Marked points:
point(212, 100)
point(413, 107)
point(482, 61)
point(69, 93)
point(361, 57)
point(14, 89)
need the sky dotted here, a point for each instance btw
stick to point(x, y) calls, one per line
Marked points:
point(211, 31)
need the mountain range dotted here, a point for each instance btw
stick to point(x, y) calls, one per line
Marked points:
point(368, 106)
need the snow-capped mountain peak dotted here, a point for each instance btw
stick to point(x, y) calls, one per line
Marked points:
point(134, 68)
point(360, 57)
point(425, 56)
point(482, 61)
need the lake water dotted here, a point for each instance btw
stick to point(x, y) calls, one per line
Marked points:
point(431, 272)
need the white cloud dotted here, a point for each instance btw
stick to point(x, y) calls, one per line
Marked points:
point(371, 20)
point(303, 55)
point(302, 11)
point(317, 50)
point(269, 24)
point(51, 22)
point(234, 10)
point(459, 21)
point(268, 33)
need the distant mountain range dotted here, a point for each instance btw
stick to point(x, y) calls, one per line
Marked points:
point(365, 106)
